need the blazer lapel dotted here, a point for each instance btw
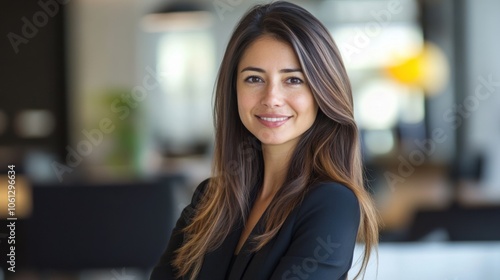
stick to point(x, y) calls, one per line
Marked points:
point(244, 257)
point(216, 263)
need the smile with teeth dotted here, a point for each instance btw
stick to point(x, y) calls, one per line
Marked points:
point(274, 119)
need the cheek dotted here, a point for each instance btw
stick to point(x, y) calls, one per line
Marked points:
point(245, 103)
point(306, 106)
point(243, 107)
point(315, 109)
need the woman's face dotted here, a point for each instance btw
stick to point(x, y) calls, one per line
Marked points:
point(274, 101)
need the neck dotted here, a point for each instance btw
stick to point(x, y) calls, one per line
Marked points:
point(276, 162)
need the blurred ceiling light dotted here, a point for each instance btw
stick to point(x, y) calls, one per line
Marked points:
point(428, 69)
point(378, 104)
point(34, 123)
point(178, 16)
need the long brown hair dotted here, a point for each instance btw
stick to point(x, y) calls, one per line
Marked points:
point(328, 151)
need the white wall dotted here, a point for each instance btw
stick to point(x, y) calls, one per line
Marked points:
point(483, 60)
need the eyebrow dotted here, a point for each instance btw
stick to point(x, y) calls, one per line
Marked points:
point(256, 69)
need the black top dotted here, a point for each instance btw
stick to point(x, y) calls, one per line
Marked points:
point(316, 241)
point(229, 268)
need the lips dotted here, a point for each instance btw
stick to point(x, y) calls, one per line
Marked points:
point(272, 120)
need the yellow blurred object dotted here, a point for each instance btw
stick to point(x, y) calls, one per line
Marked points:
point(427, 69)
point(23, 197)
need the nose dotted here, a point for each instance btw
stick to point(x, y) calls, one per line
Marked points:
point(272, 96)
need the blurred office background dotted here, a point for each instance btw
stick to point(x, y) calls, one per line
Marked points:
point(105, 111)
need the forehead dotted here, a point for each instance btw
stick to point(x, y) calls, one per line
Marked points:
point(269, 51)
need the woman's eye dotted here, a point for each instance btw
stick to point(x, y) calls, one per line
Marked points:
point(294, 81)
point(253, 79)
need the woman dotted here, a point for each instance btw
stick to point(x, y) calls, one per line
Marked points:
point(286, 199)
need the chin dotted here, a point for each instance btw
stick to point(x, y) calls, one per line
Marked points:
point(276, 141)
point(272, 142)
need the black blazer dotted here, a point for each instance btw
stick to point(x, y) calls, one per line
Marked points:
point(316, 241)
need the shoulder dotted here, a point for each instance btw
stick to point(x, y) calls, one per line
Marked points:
point(199, 191)
point(330, 193)
point(323, 230)
point(329, 201)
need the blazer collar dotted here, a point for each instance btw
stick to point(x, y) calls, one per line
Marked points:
point(216, 263)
